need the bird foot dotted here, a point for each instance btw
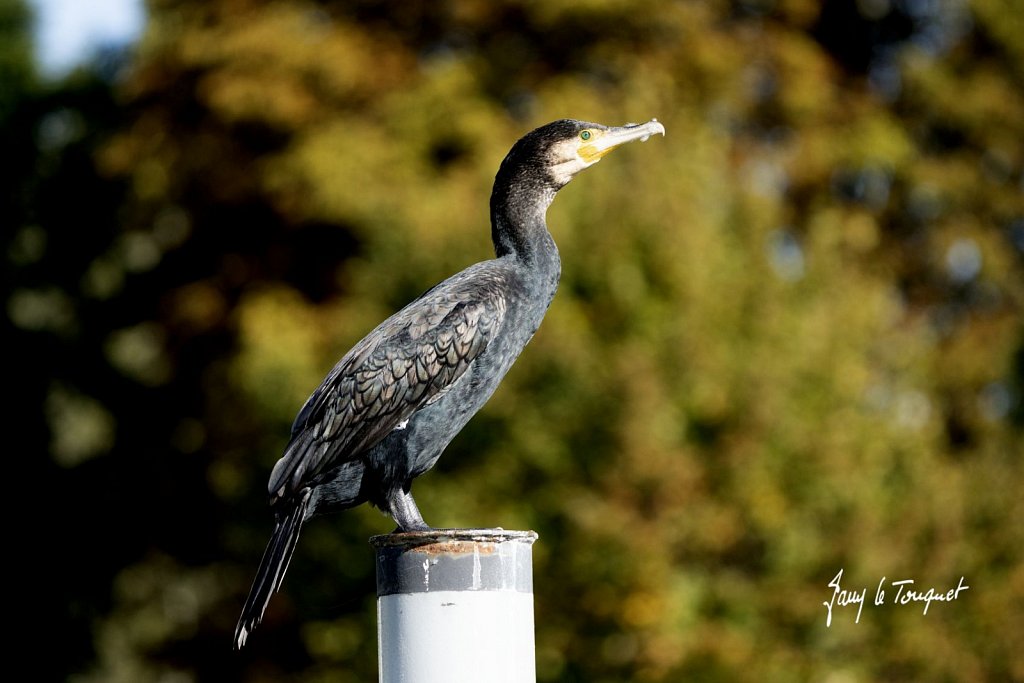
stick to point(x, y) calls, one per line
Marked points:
point(403, 510)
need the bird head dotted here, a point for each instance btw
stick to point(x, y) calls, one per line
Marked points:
point(564, 148)
point(583, 144)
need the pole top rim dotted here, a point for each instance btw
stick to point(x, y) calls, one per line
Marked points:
point(413, 539)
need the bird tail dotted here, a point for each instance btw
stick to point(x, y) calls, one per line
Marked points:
point(272, 567)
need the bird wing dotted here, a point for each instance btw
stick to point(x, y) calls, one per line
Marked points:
point(408, 361)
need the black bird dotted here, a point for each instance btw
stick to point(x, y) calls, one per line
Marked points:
point(387, 410)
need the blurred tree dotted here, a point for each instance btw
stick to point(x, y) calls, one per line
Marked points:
point(789, 338)
point(104, 409)
point(16, 66)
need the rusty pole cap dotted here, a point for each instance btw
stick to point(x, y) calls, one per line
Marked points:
point(454, 560)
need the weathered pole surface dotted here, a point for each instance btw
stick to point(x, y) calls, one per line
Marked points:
point(455, 606)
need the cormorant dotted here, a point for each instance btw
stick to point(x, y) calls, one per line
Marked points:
point(386, 411)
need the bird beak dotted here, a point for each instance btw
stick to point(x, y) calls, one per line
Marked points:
point(611, 138)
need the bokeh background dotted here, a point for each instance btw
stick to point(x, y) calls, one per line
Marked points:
point(788, 339)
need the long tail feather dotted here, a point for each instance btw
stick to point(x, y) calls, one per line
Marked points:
point(272, 567)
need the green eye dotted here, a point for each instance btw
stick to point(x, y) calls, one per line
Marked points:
point(585, 135)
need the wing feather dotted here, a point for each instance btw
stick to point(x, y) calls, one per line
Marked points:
point(407, 362)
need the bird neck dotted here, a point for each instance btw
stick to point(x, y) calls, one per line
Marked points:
point(518, 226)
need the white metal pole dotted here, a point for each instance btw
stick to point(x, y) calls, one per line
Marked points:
point(455, 606)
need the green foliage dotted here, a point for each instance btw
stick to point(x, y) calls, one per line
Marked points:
point(16, 70)
point(789, 338)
